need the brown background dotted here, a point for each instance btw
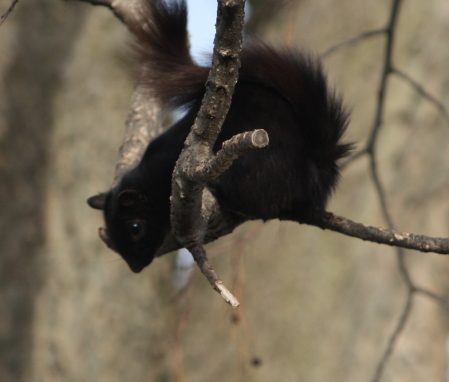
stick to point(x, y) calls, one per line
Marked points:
point(316, 306)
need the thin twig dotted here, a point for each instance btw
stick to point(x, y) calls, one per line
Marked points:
point(380, 190)
point(425, 94)
point(353, 40)
point(233, 148)
point(8, 11)
point(370, 148)
point(352, 158)
point(403, 270)
point(327, 220)
point(442, 301)
point(199, 254)
point(390, 31)
point(399, 328)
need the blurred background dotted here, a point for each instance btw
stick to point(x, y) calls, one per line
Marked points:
point(315, 305)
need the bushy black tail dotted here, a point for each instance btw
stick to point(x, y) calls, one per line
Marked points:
point(169, 71)
point(162, 49)
point(299, 78)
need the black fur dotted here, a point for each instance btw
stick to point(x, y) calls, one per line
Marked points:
point(283, 92)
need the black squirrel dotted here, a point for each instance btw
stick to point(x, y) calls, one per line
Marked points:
point(283, 92)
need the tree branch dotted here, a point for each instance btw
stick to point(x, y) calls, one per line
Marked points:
point(8, 11)
point(420, 89)
point(143, 124)
point(398, 330)
point(353, 40)
point(233, 148)
point(197, 164)
point(327, 220)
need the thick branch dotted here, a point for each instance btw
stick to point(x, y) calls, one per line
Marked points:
point(197, 164)
point(144, 123)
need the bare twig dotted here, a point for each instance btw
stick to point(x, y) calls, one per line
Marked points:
point(398, 330)
point(353, 40)
point(370, 148)
point(8, 11)
point(352, 158)
point(380, 190)
point(410, 241)
point(199, 254)
point(419, 242)
point(327, 220)
point(233, 148)
point(390, 31)
point(420, 89)
point(440, 300)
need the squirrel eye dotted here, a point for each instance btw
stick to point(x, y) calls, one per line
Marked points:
point(136, 229)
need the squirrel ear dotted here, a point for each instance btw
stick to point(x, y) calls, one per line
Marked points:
point(97, 201)
point(130, 198)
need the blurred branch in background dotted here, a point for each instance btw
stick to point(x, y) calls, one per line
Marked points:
point(423, 92)
point(8, 11)
point(389, 32)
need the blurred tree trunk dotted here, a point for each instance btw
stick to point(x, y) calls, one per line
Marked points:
point(33, 45)
point(70, 308)
point(316, 305)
